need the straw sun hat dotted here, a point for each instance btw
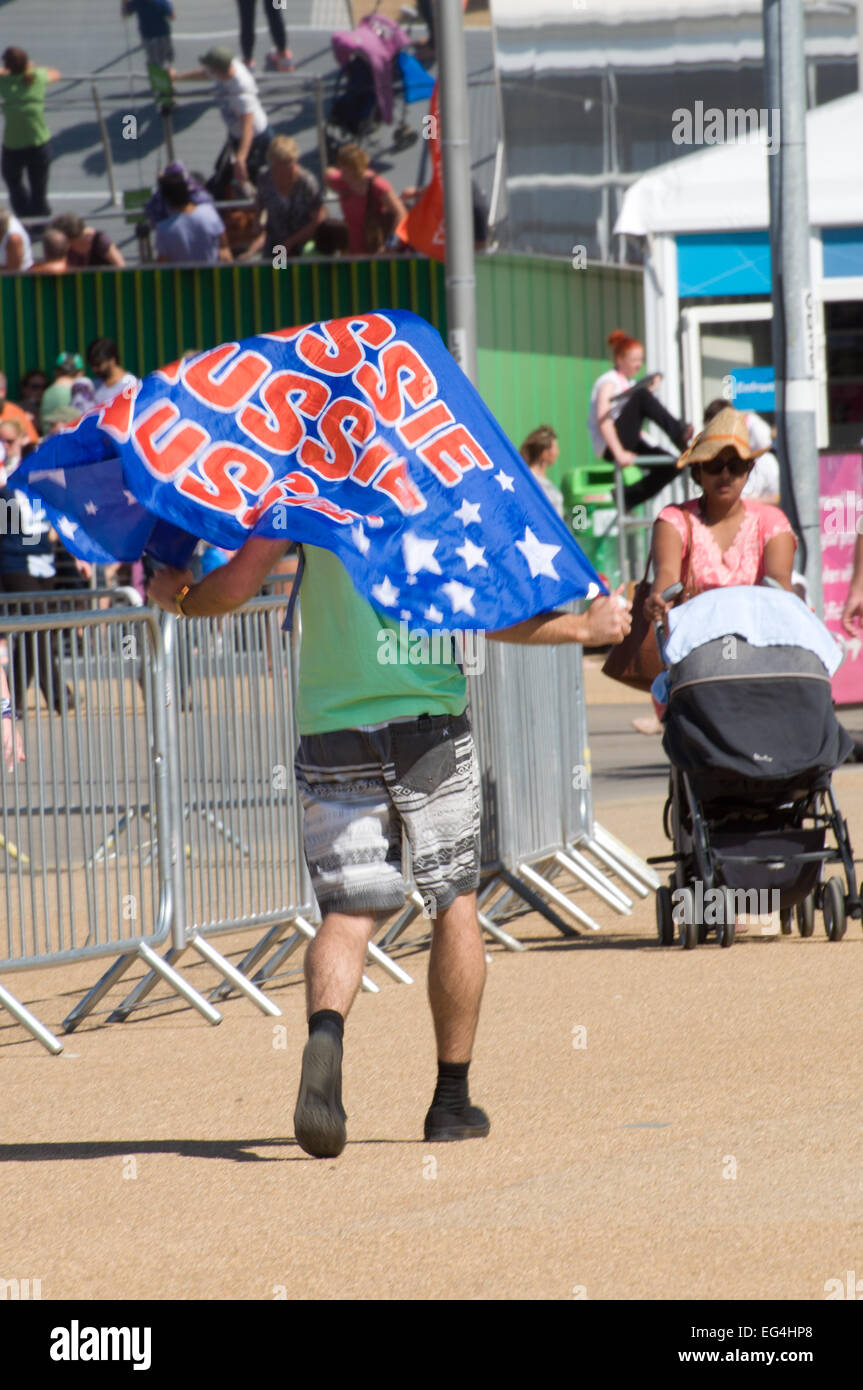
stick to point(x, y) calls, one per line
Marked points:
point(727, 430)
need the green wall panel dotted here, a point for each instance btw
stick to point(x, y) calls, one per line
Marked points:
point(542, 325)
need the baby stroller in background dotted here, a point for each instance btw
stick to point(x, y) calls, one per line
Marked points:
point(365, 94)
point(752, 738)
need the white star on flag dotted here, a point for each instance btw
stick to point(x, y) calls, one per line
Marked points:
point(360, 539)
point(469, 512)
point(130, 498)
point(592, 591)
point(460, 596)
point(434, 615)
point(90, 508)
point(419, 554)
point(67, 528)
point(472, 554)
point(405, 615)
point(504, 480)
point(539, 557)
point(386, 593)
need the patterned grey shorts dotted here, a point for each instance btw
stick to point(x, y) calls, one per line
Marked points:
point(360, 788)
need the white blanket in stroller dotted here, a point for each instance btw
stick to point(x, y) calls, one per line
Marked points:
point(761, 615)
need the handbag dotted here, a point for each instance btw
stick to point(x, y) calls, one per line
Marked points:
point(378, 225)
point(635, 661)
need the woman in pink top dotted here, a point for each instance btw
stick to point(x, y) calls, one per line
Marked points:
point(721, 538)
point(370, 207)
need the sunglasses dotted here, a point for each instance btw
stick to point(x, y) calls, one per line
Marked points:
point(736, 466)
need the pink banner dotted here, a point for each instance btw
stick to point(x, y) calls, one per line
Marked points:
point(841, 490)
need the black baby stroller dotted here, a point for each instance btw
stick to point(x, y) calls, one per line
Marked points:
point(752, 738)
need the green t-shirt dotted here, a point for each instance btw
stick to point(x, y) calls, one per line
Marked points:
point(24, 109)
point(355, 665)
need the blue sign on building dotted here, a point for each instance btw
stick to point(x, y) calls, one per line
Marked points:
point(753, 388)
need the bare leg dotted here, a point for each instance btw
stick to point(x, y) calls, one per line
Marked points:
point(456, 979)
point(334, 961)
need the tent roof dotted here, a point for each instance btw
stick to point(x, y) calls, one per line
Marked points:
point(725, 187)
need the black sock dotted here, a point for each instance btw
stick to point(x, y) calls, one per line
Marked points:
point(327, 1021)
point(451, 1088)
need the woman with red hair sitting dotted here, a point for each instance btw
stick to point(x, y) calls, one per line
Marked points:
point(619, 406)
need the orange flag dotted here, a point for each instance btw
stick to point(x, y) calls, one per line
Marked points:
point(424, 226)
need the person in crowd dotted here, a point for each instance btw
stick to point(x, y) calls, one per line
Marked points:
point(618, 409)
point(16, 250)
point(87, 246)
point(156, 209)
point(281, 59)
point(31, 388)
point(427, 51)
point(289, 207)
point(27, 566)
point(236, 92)
point(13, 438)
point(852, 613)
point(108, 376)
point(55, 254)
point(540, 452)
point(68, 369)
point(381, 749)
point(10, 411)
point(26, 154)
point(154, 26)
point(12, 743)
point(191, 233)
point(371, 208)
point(763, 482)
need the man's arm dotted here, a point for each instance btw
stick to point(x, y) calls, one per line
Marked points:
point(225, 588)
point(852, 613)
point(606, 622)
point(306, 232)
point(244, 146)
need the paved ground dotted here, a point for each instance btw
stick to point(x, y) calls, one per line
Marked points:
point(666, 1124)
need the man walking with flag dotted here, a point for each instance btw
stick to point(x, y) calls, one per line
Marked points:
point(382, 747)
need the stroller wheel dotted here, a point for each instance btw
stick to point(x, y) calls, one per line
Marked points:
point(834, 909)
point(689, 929)
point(725, 928)
point(806, 916)
point(786, 921)
point(664, 916)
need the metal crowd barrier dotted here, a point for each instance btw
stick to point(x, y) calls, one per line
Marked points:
point(232, 736)
point(85, 849)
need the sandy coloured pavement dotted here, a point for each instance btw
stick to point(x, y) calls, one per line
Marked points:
point(705, 1143)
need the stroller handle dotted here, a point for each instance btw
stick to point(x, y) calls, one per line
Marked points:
point(659, 626)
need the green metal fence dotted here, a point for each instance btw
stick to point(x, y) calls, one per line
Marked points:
point(542, 324)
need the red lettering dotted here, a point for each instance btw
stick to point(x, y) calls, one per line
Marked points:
point(343, 421)
point(279, 427)
point(176, 448)
point(422, 425)
point(337, 349)
point(243, 377)
point(116, 416)
point(397, 483)
point(452, 454)
point(225, 468)
point(170, 373)
point(385, 389)
point(371, 459)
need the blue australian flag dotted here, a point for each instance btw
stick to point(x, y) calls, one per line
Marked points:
point(361, 435)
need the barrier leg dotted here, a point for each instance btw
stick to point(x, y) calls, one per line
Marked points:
point(30, 1022)
point(309, 932)
point(142, 989)
point(238, 980)
point(582, 870)
point(619, 851)
point(101, 987)
point(251, 958)
point(176, 981)
point(286, 949)
point(613, 865)
point(499, 934)
point(414, 905)
point(557, 896)
point(523, 890)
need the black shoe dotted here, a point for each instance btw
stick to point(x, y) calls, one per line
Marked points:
point(442, 1125)
point(319, 1120)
